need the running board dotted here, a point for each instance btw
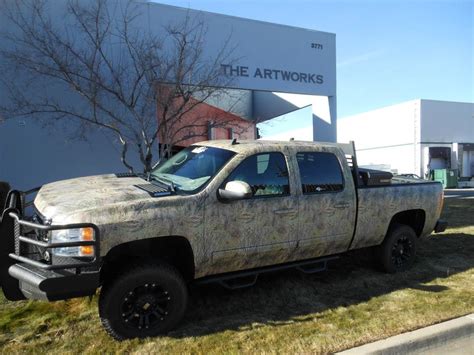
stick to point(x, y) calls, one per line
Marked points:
point(314, 268)
point(239, 282)
point(247, 278)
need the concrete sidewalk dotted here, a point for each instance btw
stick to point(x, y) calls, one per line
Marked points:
point(452, 337)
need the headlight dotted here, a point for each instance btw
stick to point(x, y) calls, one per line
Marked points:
point(73, 235)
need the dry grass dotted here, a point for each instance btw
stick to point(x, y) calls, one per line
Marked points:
point(348, 305)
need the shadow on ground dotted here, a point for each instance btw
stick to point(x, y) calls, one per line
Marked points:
point(459, 212)
point(290, 296)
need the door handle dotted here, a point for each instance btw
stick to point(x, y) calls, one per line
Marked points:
point(342, 206)
point(284, 211)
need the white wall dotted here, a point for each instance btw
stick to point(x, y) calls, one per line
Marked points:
point(386, 127)
point(448, 122)
point(400, 159)
point(398, 134)
point(262, 45)
point(318, 124)
point(385, 136)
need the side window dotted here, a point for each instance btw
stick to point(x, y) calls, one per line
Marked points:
point(266, 173)
point(320, 172)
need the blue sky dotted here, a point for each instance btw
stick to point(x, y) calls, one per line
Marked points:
point(387, 51)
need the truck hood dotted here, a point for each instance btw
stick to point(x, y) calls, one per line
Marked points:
point(64, 198)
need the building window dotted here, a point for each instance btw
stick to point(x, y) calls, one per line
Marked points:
point(266, 173)
point(320, 172)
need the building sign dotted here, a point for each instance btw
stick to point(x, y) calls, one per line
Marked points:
point(272, 74)
point(265, 56)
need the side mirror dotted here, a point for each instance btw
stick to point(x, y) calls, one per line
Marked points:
point(235, 190)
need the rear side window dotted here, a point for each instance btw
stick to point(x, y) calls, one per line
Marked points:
point(266, 173)
point(320, 172)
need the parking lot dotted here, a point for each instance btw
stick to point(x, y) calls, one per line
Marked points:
point(459, 193)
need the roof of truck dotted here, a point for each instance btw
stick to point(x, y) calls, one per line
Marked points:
point(244, 145)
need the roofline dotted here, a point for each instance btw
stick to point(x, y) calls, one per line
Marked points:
point(379, 108)
point(446, 101)
point(402, 103)
point(156, 3)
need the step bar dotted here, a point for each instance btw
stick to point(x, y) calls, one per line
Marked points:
point(248, 278)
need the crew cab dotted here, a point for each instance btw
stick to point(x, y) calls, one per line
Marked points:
point(217, 211)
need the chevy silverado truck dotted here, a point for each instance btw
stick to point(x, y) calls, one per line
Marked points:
point(218, 211)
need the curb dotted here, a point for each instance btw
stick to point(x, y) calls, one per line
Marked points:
point(422, 339)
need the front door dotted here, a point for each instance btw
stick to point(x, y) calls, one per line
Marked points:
point(258, 231)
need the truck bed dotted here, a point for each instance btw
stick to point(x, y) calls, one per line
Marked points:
point(377, 205)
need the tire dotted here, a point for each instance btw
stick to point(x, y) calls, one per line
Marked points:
point(397, 253)
point(145, 301)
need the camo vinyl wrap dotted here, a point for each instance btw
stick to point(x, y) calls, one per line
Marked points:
point(377, 206)
point(241, 234)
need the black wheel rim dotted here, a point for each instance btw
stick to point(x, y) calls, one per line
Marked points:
point(402, 252)
point(145, 306)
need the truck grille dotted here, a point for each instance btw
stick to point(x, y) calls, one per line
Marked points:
point(23, 249)
point(17, 233)
point(31, 250)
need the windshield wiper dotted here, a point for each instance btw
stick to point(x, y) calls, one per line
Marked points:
point(168, 183)
point(172, 187)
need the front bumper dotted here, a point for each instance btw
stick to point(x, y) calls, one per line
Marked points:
point(24, 270)
point(440, 226)
point(47, 285)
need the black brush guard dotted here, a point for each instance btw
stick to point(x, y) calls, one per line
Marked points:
point(24, 277)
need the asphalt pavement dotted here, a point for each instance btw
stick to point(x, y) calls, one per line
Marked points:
point(459, 193)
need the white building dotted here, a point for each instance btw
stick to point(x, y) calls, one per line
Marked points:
point(414, 137)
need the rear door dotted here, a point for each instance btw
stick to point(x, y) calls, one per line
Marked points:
point(327, 201)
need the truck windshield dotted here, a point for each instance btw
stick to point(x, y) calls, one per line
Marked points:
point(190, 169)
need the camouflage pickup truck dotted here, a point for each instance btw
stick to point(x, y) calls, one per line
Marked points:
point(218, 211)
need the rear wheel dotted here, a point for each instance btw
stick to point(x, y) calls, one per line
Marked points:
point(398, 251)
point(146, 301)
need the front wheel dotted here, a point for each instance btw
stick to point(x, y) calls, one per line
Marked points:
point(398, 251)
point(145, 301)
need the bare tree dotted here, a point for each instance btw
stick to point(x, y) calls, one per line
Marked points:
point(138, 85)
